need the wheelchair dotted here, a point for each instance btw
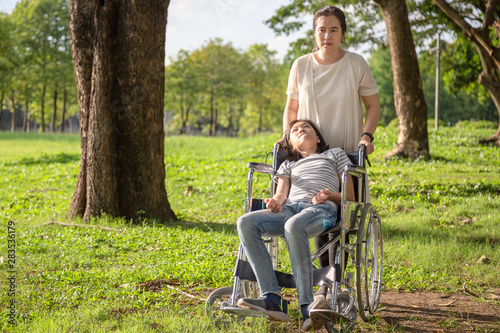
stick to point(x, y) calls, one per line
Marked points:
point(354, 277)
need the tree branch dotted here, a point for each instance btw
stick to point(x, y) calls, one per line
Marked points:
point(473, 35)
point(489, 14)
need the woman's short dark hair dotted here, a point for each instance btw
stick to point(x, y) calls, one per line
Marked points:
point(329, 11)
point(287, 144)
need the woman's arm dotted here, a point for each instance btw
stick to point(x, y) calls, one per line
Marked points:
point(291, 110)
point(336, 197)
point(275, 203)
point(372, 106)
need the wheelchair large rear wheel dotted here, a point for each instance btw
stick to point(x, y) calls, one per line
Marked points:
point(369, 254)
point(213, 304)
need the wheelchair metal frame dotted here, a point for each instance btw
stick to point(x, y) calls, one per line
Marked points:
point(355, 283)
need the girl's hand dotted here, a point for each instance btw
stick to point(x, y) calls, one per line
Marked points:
point(322, 196)
point(273, 205)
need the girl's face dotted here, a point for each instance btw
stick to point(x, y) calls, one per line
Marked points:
point(328, 34)
point(303, 137)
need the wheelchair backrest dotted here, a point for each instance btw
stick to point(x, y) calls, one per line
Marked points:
point(280, 155)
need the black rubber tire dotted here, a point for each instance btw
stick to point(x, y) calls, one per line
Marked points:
point(369, 269)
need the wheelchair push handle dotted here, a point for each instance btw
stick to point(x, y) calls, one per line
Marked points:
point(362, 157)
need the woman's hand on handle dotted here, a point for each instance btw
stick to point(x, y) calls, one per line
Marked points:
point(369, 147)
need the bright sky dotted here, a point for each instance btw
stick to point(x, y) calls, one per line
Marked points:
point(193, 22)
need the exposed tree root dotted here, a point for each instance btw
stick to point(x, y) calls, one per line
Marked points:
point(409, 150)
point(76, 225)
point(495, 139)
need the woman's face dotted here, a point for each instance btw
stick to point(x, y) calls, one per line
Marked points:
point(328, 34)
point(303, 136)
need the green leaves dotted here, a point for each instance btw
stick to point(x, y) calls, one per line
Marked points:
point(218, 86)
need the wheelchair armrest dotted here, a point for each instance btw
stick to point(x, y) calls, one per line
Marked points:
point(354, 170)
point(261, 167)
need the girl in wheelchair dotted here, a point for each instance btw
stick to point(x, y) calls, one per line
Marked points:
point(304, 206)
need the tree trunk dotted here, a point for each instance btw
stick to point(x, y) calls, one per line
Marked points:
point(181, 107)
point(63, 110)
point(215, 119)
point(238, 119)
point(54, 113)
point(70, 124)
point(118, 52)
point(260, 117)
point(489, 78)
point(488, 54)
point(1, 109)
point(212, 107)
point(27, 117)
point(25, 113)
point(33, 122)
point(44, 91)
point(185, 120)
point(229, 122)
point(13, 118)
point(413, 140)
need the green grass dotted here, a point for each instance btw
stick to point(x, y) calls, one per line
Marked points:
point(439, 217)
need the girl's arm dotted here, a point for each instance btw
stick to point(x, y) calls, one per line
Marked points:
point(336, 197)
point(275, 203)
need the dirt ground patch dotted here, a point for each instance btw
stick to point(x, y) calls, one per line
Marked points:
point(428, 312)
point(436, 312)
point(401, 311)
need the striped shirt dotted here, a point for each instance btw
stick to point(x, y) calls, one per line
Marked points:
point(312, 174)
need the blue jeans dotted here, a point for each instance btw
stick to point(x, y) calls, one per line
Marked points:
point(297, 222)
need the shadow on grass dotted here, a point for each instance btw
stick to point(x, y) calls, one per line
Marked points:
point(61, 158)
point(442, 190)
point(444, 236)
point(229, 228)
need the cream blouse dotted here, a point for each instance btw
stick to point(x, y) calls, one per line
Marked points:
point(330, 95)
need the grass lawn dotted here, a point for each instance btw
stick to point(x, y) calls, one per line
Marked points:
point(440, 217)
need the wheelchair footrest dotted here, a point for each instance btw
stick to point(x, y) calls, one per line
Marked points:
point(285, 280)
point(330, 315)
point(245, 312)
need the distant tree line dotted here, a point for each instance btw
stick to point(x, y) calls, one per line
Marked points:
point(219, 90)
point(213, 90)
point(37, 85)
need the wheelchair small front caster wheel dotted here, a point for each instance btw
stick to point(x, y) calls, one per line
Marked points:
point(214, 304)
point(341, 326)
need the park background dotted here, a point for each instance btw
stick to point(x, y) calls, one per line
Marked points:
point(223, 108)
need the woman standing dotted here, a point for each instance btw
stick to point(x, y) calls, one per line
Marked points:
point(327, 87)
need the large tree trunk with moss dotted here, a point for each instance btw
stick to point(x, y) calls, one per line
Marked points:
point(413, 140)
point(118, 49)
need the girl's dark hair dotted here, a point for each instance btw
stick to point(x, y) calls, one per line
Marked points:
point(287, 144)
point(329, 11)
